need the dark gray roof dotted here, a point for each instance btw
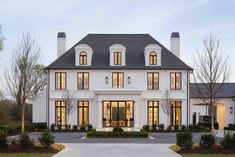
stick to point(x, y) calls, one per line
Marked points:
point(61, 35)
point(134, 43)
point(227, 90)
point(175, 35)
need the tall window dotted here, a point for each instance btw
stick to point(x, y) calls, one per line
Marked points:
point(83, 113)
point(118, 80)
point(153, 58)
point(175, 81)
point(83, 80)
point(60, 80)
point(117, 58)
point(175, 113)
point(60, 112)
point(153, 113)
point(153, 81)
point(83, 58)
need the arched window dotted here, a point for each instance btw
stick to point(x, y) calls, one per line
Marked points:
point(153, 58)
point(83, 58)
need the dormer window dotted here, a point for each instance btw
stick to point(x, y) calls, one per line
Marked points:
point(153, 58)
point(152, 55)
point(83, 58)
point(117, 53)
point(117, 58)
point(83, 55)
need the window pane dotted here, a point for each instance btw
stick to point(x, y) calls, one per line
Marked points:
point(172, 81)
point(155, 81)
point(86, 80)
point(121, 80)
point(114, 80)
point(150, 81)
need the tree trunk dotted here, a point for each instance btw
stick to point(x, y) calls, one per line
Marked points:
point(23, 118)
point(212, 116)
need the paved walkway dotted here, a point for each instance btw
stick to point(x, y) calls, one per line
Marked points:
point(116, 150)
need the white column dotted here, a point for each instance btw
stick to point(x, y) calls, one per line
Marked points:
point(136, 113)
point(99, 126)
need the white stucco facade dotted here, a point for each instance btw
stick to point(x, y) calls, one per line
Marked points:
point(135, 91)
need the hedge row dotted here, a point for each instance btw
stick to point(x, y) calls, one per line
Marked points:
point(161, 128)
point(15, 129)
point(230, 127)
point(104, 134)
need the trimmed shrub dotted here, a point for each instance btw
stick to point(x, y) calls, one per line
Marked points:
point(146, 128)
point(161, 127)
point(117, 129)
point(169, 128)
point(14, 142)
point(52, 127)
point(3, 140)
point(176, 127)
point(129, 134)
point(75, 127)
point(89, 127)
point(228, 140)
point(82, 128)
point(46, 139)
point(183, 128)
point(154, 127)
point(207, 140)
point(59, 127)
point(184, 140)
point(25, 141)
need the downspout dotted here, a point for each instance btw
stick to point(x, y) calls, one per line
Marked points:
point(188, 98)
point(234, 108)
point(48, 99)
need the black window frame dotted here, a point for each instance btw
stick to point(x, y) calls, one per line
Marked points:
point(60, 85)
point(83, 82)
point(118, 101)
point(172, 123)
point(116, 56)
point(152, 58)
point(175, 87)
point(154, 108)
point(83, 107)
point(83, 58)
point(60, 106)
point(152, 82)
point(118, 82)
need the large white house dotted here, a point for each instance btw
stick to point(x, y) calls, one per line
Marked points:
point(122, 80)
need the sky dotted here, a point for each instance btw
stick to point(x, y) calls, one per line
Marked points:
point(193, 19)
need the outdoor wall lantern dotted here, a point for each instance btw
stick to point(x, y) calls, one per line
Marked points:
point(106, 80)
point(231, 110)
point(129, 80)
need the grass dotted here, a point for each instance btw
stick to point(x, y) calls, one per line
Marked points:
point(208, 155)
point(26, 154)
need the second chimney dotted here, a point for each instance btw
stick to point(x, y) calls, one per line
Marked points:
point(175, 43)
point(61, 43)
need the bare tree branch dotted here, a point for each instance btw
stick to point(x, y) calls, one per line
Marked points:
point(165, 105)
point(2, 38)
point(211, 71)
point(68, 97)
point(25, 78)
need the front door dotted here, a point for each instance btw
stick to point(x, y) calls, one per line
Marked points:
point(118, 113)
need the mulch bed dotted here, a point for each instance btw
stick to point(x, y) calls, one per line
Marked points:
point(33, 149)
point(213, 150)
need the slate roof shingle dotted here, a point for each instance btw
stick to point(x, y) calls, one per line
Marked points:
point(134, 43)
point(227, 90)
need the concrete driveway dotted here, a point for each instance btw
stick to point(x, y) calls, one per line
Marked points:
point(116, 150)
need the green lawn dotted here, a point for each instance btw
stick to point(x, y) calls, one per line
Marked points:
point(26, 154)
point(208, 155)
